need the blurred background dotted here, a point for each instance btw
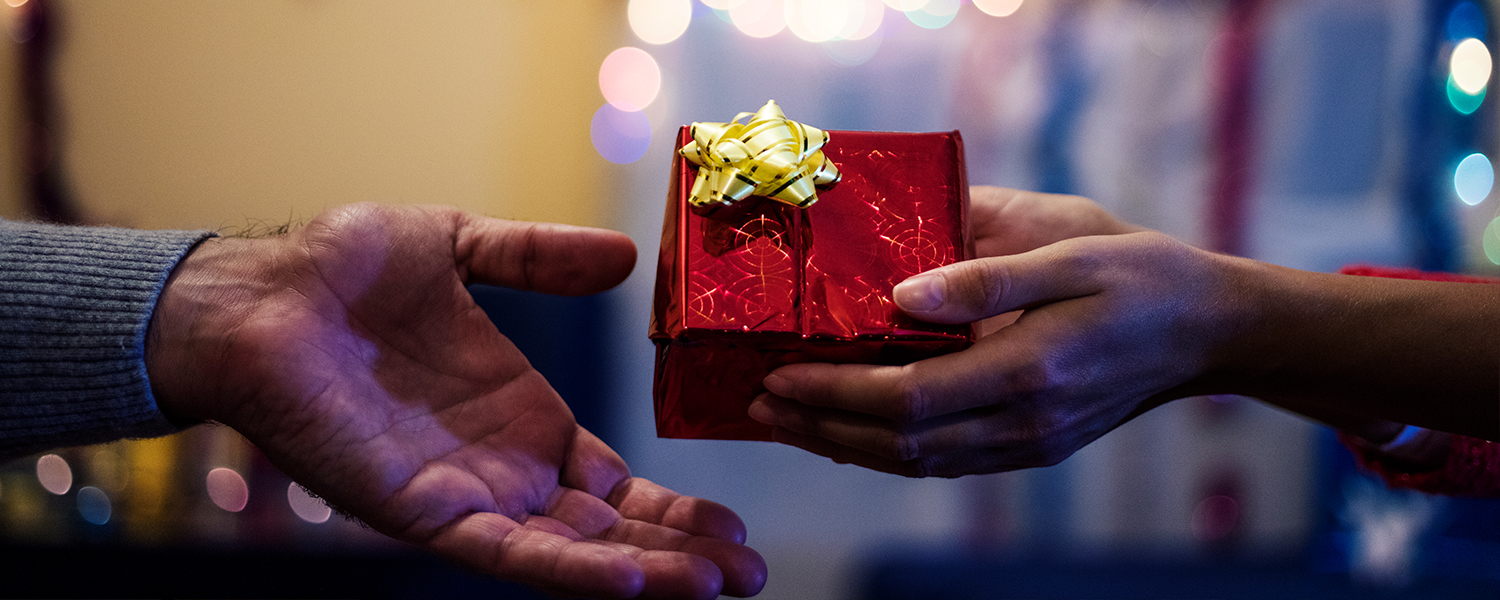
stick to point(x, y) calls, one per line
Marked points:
point(1309, 133)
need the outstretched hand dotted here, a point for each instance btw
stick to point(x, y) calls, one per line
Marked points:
point(351, 353)
point(1090, 322)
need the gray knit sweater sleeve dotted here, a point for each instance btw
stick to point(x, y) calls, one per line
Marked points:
point(74, 305)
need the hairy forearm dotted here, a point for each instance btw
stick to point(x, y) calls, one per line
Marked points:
point(1416, 352)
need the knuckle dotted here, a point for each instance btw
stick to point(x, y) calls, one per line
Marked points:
point(981, 285)
point(1048, 440)
point(912, 402)
point(901, 445)
point(1033, 379)
point(921, 468)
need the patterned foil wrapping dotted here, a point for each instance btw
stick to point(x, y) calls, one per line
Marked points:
point(745, 288)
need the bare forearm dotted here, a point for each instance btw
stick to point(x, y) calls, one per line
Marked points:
point(1416, 352)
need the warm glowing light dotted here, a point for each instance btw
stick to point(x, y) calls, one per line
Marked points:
point(93, 505)
point(936, 14)
point(759, 18)
point(1215, 518)
point(227, 489)
point(15, 3)
point(865, 17)
point(722, 4)
point(852, 53)
point(825, 18)
point(1471, 65)
point(1474, 178)
point(660, 21)
point(620, 136)
point(998, 8)
point(308, 507)
point(54, 474)
point(1462, 101)
point(1492, 241)
point(907, 5)
point(629, 78)
point(108, 470)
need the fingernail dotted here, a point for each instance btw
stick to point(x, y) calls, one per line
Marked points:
point(780, 386)
point(760, 412)
point(921, 293)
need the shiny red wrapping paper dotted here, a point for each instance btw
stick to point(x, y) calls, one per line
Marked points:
point(746, 288)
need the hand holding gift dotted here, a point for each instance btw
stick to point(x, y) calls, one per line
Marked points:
point(1114, 321)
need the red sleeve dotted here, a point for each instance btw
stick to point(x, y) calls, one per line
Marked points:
point(1473, 466)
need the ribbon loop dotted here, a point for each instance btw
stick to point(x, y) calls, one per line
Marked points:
point(770, 155)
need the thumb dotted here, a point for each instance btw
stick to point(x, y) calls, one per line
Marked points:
point(977, 289)
point(544, 257)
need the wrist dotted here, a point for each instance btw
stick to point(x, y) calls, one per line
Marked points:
point(1237, 315)
point(208, 295)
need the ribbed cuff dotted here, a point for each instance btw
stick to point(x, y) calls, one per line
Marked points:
point(74, 307)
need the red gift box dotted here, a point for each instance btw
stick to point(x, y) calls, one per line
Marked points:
point(745, 288)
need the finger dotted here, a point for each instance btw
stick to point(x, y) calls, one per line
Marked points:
point(716, 532)
point(956, 464)
point(1009, 365)
point(979, 429)
point(899, 394)
point(494, 544)
point(679, 575)
point(644, 500)
point(971, 290)
point(544, 257)
point(592, 466)
point(742, 570)
point(668, 573)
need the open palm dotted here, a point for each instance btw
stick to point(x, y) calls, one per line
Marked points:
point(352, 354)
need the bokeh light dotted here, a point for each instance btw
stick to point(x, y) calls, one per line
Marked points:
point(1471, 65)
point(108, 470)
point(998, 8)
point(629, 78)
point(1462, 101)
point(93, 505)
point(227, 489)
point(1215, 518)
point(308, 507)
point(907, 5)
point(865, 17)
point(620, 136)
point(935, 14)
point(54, 474)
point(722, 4)
point(759, 18)
point(1474, 178)
point(1466, 20)
point(852, 53)
point(660, 21)
point(1491, 241)
point(816, 20)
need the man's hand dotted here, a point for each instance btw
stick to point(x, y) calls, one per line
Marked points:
point(351, 353)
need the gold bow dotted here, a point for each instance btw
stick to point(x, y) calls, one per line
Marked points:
point(769, 156)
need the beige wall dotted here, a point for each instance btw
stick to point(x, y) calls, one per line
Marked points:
point(206, 114)
point(10, 161)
